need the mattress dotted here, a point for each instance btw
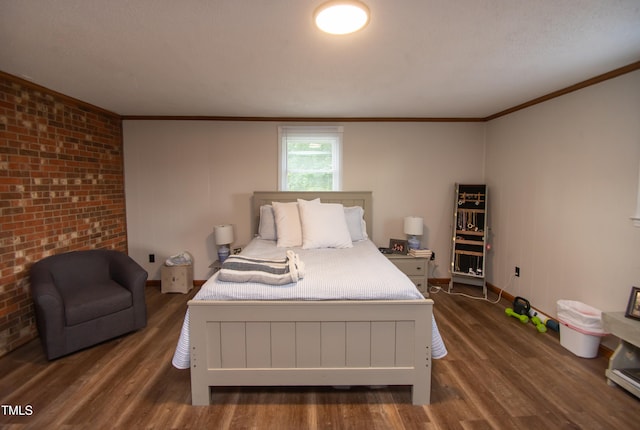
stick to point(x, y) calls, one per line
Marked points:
point(357, 273)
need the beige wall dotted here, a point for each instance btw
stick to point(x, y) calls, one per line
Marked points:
point(563, 178)
point(183, 177)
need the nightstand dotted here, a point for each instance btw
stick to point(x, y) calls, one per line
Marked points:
point(216, 265)
point(414, 267)
point(627, 355)
point(176, 279)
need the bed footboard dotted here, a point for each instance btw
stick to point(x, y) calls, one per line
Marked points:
point(278, 343)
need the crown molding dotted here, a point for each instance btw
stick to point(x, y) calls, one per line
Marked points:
point(292, 119)
point(580, 85)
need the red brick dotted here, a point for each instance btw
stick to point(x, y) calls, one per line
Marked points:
point(53, 150)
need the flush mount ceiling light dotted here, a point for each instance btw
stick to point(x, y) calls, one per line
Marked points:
point(341, 17)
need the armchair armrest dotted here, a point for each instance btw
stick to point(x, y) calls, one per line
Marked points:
point(126, 272)
point(48, 300)
point(43, 288)
point(49, 310)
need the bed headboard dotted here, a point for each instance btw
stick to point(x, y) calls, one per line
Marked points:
point(347, 198)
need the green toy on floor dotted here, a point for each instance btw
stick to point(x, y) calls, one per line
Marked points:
point(521, 310)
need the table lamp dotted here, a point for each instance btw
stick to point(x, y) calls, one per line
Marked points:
point(224, 237)
point(413, 227)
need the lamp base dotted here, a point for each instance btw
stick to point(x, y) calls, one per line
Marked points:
point(414, 243)
point(223, 253)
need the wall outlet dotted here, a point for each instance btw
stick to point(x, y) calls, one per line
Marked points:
point(152, 258)
point(517, 271)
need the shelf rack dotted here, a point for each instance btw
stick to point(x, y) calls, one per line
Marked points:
point(468, 249)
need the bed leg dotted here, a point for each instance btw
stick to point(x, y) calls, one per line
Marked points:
point(200, 396)
point(420, 394)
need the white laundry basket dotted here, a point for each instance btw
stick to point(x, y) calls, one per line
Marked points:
point(580, 328)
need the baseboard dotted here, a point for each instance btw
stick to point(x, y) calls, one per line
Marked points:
point(497, 290)
point(438, 281)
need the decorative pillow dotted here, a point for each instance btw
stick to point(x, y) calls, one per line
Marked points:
point(287, 221)
point(308, 202)
point(267, 227)
point(355, 223)
point(323, 225)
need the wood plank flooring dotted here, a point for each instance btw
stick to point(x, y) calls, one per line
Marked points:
point(499, 374)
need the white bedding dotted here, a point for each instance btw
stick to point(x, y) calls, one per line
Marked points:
point(331, 274)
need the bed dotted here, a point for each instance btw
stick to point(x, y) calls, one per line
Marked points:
point(353, 334)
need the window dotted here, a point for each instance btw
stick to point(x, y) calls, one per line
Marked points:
point(310, 158)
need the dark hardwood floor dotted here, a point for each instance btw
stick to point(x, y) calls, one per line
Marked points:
point(499, 374)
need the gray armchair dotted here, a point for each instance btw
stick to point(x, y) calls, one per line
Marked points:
point(82, 298)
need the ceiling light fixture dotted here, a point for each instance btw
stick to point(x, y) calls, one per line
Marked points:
point(341, 17)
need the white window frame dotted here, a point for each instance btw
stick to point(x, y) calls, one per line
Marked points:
point(310, 132)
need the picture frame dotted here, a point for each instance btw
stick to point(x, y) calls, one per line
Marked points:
point(633, 307)
point(399, 246)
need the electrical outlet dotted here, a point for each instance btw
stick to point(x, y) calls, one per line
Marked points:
point(152, 258)
point(517, 271)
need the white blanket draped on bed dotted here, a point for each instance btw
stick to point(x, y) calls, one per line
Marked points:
point(331, 274)
point(272, 271)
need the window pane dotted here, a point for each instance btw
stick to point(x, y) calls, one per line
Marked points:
point(310, 165)
point(313, 156)
point(310, 181)
point(309, 158)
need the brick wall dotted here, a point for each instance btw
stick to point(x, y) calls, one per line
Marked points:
point(61, 189)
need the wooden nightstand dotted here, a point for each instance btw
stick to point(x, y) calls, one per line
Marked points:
point(176, 279)
point(414, 267)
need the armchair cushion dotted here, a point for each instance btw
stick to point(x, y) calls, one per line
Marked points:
point(95, 301)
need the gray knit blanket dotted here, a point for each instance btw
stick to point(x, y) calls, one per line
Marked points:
point(238, 268)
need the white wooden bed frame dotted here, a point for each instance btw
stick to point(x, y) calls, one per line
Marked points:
point(314, 343)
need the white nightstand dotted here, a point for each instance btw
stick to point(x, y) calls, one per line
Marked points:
point(176, 279)
point(627, 355)
point(414, 267)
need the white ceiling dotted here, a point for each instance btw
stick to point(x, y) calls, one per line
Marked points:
point(416, 58)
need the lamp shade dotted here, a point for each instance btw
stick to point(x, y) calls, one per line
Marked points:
point(224, 234)
point(413, 225)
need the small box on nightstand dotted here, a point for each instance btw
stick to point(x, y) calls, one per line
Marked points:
point(177, 279)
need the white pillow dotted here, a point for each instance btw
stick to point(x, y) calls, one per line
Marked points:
point(314, 201)
point(267, 226)
point(355, 223)
point(324, 225)
point(287, 221)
